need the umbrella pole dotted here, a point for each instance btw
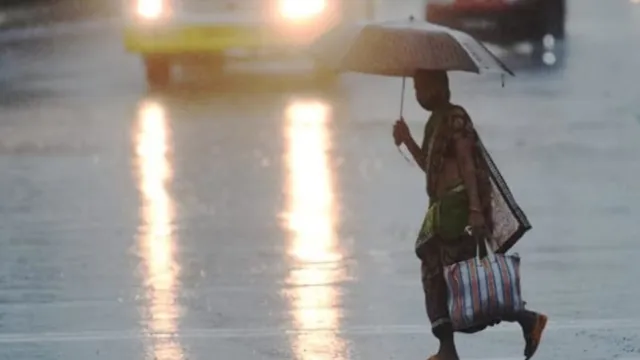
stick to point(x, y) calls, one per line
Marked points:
point(404, 81)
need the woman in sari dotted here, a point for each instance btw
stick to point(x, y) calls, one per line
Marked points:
point(462, 184)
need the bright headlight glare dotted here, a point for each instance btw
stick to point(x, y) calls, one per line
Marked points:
point(301, 9)
point(150, 9)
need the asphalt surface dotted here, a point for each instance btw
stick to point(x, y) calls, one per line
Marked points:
point(269, 219)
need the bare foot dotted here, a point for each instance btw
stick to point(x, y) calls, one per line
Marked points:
point(534, 335)
point(445, 354)
point(440, 356)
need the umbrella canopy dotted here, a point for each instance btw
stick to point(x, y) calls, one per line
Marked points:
point(399, 48)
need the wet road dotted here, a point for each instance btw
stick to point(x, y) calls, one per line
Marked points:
point(256, 222)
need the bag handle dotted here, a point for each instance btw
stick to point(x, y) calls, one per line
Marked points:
point(490, 254)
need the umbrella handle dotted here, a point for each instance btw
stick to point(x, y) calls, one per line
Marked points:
point(404, 82)
point(403, 155)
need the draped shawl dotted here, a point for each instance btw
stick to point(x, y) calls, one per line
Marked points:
point(506, 221)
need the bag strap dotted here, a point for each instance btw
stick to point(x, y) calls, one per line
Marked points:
point(490, 253)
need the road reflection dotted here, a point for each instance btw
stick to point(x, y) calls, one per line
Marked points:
point(316, 259)
point(157, 239)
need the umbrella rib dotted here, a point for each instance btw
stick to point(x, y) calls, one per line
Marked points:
point(458, 34)
point(503, 65)
point(461, 47)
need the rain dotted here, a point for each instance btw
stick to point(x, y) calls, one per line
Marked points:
point(261, 214)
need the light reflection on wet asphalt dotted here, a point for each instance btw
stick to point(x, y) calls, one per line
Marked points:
point(257, 220)
point(314, 245)
point(157, 236)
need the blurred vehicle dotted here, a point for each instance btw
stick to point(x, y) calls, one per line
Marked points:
point(502, 22)
point(166, 32)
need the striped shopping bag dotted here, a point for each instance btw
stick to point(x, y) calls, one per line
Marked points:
point(483, 290)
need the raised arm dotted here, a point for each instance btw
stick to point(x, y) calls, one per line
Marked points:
point(402, 135)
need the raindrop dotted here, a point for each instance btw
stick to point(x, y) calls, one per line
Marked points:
point(120, 300)
point(549, 58)
point(524, 48)
point(549, 42)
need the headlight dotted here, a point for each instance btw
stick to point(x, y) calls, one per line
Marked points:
point(151, 9)
point(301, 9)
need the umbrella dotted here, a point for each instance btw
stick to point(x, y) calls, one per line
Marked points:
point(399, 48)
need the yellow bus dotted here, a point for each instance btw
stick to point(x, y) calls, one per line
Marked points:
point(168, 32)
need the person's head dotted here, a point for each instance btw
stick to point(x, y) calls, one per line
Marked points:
point(432, 88)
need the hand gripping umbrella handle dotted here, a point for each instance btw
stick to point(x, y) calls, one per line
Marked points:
point(403, 155)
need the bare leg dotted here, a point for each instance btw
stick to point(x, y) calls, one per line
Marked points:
point(447, 350)
point(533, 325)
point(435, 288)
